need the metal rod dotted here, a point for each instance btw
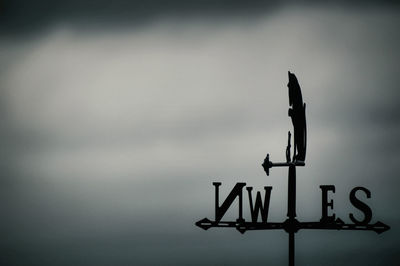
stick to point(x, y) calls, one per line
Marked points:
point(291, 213)
point(291, 249)
point(296, 163)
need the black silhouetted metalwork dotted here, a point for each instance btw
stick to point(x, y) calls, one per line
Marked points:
point(291, 225)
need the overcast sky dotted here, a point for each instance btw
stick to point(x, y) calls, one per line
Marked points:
point(117, 118)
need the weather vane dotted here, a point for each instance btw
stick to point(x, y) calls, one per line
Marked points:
point(291, 225)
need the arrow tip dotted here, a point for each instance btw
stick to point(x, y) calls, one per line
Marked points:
point(380, 227)
point(204, 223)
point(242, 230)
point(240, 226)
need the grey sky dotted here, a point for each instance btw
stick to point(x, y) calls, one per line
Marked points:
point(113, 135)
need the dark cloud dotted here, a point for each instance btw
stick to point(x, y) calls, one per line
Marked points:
point(27, 16)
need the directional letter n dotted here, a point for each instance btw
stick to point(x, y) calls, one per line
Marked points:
point(221, 210)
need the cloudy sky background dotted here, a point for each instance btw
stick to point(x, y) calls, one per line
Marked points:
point(117, 118)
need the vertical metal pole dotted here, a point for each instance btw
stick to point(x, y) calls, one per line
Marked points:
point(291, 249)
point(291, 211)
point(292, 193)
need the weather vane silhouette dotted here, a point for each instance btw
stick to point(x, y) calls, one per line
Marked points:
point(291, 225)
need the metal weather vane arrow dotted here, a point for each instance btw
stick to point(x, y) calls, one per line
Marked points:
point(291, 225)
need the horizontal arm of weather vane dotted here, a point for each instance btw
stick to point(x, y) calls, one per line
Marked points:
point(268, 164)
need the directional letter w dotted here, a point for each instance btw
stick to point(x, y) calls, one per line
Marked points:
point(258, 206)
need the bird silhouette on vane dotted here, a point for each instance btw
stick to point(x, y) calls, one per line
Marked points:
point(297, 112)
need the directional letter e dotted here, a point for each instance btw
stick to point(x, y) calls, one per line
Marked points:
point(325, 204)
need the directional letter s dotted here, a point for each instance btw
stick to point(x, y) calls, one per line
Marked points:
point(361, 206)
